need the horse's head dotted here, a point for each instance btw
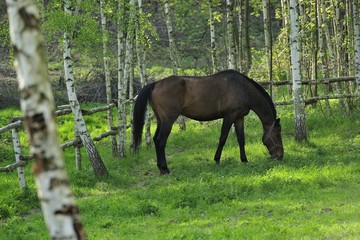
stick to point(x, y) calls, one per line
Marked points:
point(272, 140)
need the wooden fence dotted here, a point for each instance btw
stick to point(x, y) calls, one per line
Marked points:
point(326, 82)
point(16, 122)
point(21, 159)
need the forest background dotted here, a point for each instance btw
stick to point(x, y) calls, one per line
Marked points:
point(194, 38)
point(155, 39)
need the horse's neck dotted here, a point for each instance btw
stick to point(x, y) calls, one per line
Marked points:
point(264, 112)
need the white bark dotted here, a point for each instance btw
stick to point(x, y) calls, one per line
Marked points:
point(323, 68)
point(230, 34)
point(121, 84)
point(107, 76)
point(212, 37)
point(333, 65)
point(140, 51)
point(240, 52)
point(173, 54)
point(357, 43)
point(172, 46)
point(17, 148)
point(37, 104)
point(268, 40)
point(299, 116)
point(94, 156)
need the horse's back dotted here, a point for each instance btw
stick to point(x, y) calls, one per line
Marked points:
point(200, 98)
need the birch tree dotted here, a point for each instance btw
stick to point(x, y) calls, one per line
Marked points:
point(107, 75)
point(94, 156)
point(121, 80)
point(172, 45)
point(129, 58)
point(140, 53)
point(37, 104)
point(172, 48)
point(268, 39)
point(299, 105)
point(212, 36)
point(241, 27)
point(356, 20)
point(230, 34)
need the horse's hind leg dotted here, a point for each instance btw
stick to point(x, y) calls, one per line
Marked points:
point(239, 128)
point(162, 133)
point(225, 128)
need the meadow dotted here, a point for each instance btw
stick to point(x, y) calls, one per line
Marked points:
point(313, 193)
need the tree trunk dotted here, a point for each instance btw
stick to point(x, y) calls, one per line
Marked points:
point(322, 56)
point(121, 82)
point(240, 48)
point(128, 69)
point(230, 34)
point(299, 106)
point(94, 156)
point(140, 51)
point(268, 40)
point(17, 148)
point(173, 54)
point(247, 37)
point(212, 37)
point(357, 43)
point(37, 104)
point(334, 68)
point(107, 76)
point(172, 46)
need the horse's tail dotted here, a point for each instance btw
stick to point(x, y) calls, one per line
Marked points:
point(139, 113)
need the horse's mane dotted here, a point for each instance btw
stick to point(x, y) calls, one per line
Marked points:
point(262, 91)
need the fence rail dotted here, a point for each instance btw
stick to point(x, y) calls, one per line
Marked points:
point(22, 160)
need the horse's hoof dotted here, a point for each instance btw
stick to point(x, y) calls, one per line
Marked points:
point(164, 172)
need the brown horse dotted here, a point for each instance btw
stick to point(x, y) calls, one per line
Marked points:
point(227, 94)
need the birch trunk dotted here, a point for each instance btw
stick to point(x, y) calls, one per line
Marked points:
point(322, 56)
point(247, 36)
point(357, 43)
point(172, 46)
point(334, 68)
point(57, 201)
point(140, 51)
point(285, 17)
point(240, 48)
point(173, 54)
point(230, 34)
point(94, 156)
point(17, 148)
point(107, 76)
point(299, 106)
point(212, 37)
point(128, 68)
point(268, 40)
point(338, 29)
point(121, 84)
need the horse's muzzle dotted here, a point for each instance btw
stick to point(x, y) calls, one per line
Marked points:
point(278, 155)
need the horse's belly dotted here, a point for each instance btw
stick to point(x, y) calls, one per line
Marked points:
point(201, 114)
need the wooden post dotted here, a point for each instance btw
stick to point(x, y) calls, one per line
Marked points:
point(17, 149)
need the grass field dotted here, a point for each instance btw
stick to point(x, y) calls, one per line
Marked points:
point(313, 193)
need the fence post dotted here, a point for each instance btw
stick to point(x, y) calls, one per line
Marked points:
point(17, 149)
point(77, 148)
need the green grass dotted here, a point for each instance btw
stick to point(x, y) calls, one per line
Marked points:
point(313, 193)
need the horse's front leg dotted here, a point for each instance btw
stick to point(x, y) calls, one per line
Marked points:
point(239, 129)
point(162, 133)
point(225, 128)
